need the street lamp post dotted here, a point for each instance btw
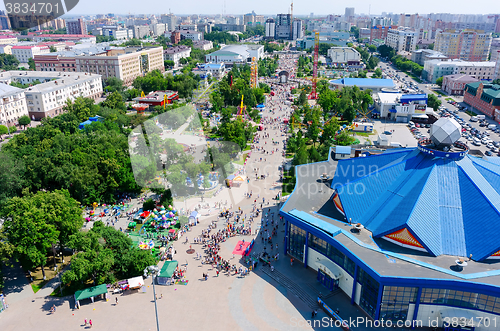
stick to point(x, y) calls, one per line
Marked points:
point(153, 270)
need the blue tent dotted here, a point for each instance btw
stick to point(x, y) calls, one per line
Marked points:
point(82, 125)
point(261, 106)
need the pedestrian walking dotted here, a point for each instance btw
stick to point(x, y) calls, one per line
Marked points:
point(85, 322)
point(90, 323)
point(116, 300)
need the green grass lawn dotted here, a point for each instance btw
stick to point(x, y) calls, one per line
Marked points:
point(439, 92)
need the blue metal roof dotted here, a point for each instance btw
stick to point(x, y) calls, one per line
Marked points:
point(413, 97)
point(342, 149)
point(364, 82)
point(451, 207)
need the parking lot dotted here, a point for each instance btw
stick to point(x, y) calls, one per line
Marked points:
point(488, 141)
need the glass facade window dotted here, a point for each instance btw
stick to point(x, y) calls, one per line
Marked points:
point(487, 303)
point(395, 302)
point(296, 241)
point(331, 252)
point(369, 293)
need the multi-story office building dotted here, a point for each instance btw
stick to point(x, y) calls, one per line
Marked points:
point(402, 39)
point(76, 26)
point(49, 98)
point(24, 53)
point(433, 69)
point(467, 45)
point(123, 63)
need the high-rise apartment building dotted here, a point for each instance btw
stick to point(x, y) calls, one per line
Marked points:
point(468, 45)
point(402, 39)
point(349, 14)
point(170, 20)
point(76, 27)
point(270, 28)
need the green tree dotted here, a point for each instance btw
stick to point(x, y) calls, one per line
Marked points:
point(114, 84)
point(11, 176)
point(31, 64)
point(29, 232)
point(114, 101)
point(433, 102)
point(3, 130)
point(24, 120)
point(439, 81)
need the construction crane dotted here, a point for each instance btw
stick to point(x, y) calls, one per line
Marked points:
point(254, 74)
point(313, 94)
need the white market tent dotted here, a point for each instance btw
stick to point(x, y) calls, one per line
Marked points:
point(135, 282)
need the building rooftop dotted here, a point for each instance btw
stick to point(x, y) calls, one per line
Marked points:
point(364, 82)
point(6, 90)
point(176, 49)
point(312, 202)
point(54, 79)
point(461, 78)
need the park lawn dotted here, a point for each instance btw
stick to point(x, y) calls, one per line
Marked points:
point(364, 134)
point(439, 92)
point(38, 281)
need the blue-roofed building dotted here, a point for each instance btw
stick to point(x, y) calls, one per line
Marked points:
point(409, 234)
point(374, 84)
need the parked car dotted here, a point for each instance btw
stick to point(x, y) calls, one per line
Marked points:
point(488, 153)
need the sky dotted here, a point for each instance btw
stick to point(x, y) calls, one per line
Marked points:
point(272, 7)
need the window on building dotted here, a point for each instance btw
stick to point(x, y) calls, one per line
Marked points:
point(369, 293)
point(296, 241)
point(395, 302)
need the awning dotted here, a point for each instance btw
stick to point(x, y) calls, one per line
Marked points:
point(91, 292)
point(329, 268)
point(463, 314)
point(135, 282)
point(168, 269)
point(393, 111)
point(420, 116)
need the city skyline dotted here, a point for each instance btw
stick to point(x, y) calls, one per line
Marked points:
point(301, 8)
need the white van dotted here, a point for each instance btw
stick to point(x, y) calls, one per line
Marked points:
point(474, 119)
point(476, 141)
point(481, 117)
point(492, 126)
